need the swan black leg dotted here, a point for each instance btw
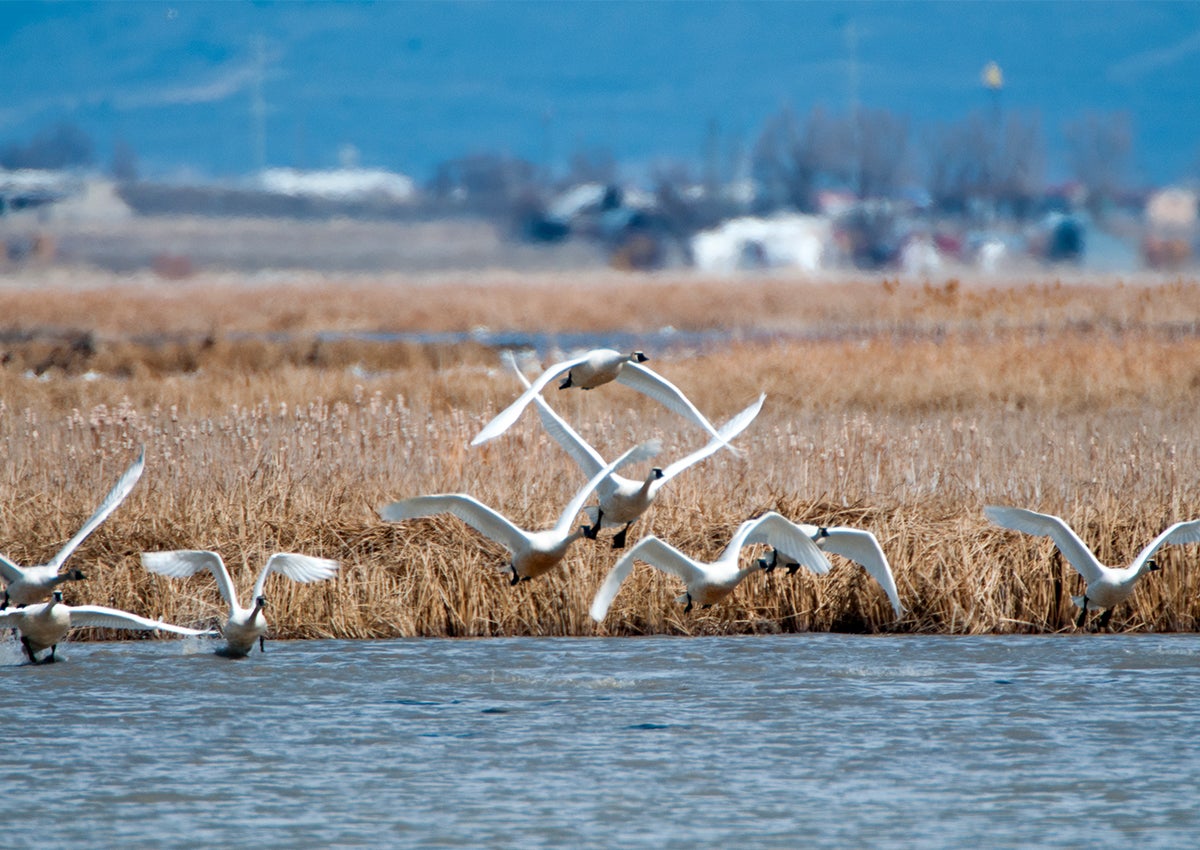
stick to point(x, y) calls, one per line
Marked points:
point(619, 537)
point(1103, 624)
point(769, 566)
point(262, 644)
point(28, 650)
point(590, 531)
point(566, 382)
point(50, 659)
point(1082, 614)
point(688, 609)
point(516, 578)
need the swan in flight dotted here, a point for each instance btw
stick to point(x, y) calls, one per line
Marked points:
point(591, 370)
point(26, 585)
point(44, 624)
point(707, 584)
point(244, 625)
point(1106, 587)
point(533, 552)
point(855, 544)
point(623, 500)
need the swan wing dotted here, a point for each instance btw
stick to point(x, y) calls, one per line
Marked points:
point(1046, 525)
point(581, 452)
point(11, 618)
point(653, 551)
point(112, 618)
point(637, 453)
point(114, 498)
point(728, 431)
point(508, 415)
point(780, 533)
point(9, 571)
point(1180, 532)
point(186, 562)
point(301, 568)
point(485, 520)
point(863, 548)
point(650, 383)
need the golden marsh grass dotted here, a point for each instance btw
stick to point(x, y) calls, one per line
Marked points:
point(902, 409)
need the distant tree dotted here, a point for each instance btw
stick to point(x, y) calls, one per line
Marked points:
point(591, 165)
point(65, 145)
point(880, 152)
point(1099, 147)
point(486, 183)
point(866, 153)
point(996, 160)
point(792, 162)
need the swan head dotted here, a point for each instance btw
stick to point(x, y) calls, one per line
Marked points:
point(638, 357)
point(1151, 566)
point(657, 472)
point(74, 575)
point(822, 531)
point(56, 596)
point(260, 602)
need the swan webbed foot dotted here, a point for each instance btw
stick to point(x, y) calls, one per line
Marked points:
point(566, 382)
point(688, 608)
point(1082, 614)
point(515, 578)
point(1104, 618)
point(619, 537)
point(4, 604)
point(768, 565)
point(590, 531)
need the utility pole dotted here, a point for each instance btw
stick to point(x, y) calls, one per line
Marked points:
point(851, 33)
point(258, 107)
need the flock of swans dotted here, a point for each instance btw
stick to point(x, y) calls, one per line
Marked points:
point(33, 604)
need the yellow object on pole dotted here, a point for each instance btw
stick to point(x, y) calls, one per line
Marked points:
point(993, 77)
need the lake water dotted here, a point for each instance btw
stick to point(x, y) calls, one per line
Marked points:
point(780, 741)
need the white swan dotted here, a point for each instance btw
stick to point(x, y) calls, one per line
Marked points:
point(623, 500)
point(43, 625)
point(1106, 587)
point(591, 370)
point(244, 625)
point(533, 552)
point(856, 544)
point(26, 585)
point(707, 584)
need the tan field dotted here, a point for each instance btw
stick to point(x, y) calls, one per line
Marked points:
point(901, 408)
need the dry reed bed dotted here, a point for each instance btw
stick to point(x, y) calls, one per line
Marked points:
point(119, 308)
point(905, 437)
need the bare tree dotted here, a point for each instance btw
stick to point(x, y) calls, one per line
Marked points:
point(880, 152)
point(994, 160)
point(793, 162)
point(65, 145)
point(1099, 146)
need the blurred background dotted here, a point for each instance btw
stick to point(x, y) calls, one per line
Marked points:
point(915, 138)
